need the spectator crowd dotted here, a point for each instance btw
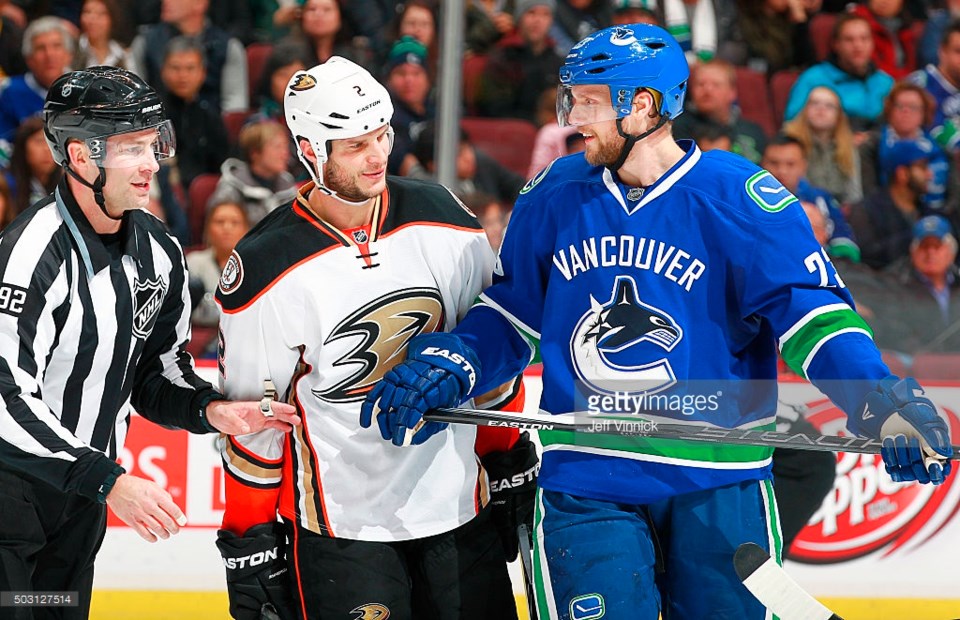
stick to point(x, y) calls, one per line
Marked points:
point(853, 106)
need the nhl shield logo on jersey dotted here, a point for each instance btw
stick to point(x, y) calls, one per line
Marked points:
point(147, 299)
point(360, 236)
point(607, 345)
point(768, 192)
point(232, 275)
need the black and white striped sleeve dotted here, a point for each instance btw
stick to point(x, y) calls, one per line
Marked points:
point(167, 390)
point(36, 275)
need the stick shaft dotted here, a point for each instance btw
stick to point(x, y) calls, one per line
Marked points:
point(637, 427)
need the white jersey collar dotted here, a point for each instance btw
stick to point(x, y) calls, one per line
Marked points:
point(687, 162)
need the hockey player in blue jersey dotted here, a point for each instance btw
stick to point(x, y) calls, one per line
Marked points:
point(647, 271)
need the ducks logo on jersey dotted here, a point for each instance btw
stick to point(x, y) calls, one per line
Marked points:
point(379, 332)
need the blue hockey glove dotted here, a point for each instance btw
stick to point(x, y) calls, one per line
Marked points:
point(916, 441)
point(440, 370)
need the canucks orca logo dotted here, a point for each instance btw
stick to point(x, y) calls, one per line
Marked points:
point(614, 327)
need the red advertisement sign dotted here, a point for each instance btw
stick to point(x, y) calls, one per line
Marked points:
point(867, 511)
point(157, 454)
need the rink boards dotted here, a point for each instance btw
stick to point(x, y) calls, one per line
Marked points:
point(875, 549)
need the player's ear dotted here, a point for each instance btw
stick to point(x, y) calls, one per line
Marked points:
point(644, 107)
point(307, 149)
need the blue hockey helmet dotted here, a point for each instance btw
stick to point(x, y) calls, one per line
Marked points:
point(626, 58)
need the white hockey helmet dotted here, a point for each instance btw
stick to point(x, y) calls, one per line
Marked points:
point(332, 101)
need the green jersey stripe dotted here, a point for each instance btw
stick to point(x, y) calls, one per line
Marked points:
point(697, 454)
point(531, 337)
point(799, 348)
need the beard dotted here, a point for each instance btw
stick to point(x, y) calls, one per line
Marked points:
point(338, 180)
point(606, 153)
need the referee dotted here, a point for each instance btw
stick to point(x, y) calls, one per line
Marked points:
point(94, 321)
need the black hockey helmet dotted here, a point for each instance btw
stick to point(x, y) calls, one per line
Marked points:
point(92, 104)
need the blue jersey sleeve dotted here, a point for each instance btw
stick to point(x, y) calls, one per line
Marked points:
point(791, 283)
point(503, 327)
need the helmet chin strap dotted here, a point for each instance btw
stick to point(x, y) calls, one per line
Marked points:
point(631, 140)
point(97, 187)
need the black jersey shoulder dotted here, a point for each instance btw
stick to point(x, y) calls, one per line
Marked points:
point(413, 200)
point(285, 237)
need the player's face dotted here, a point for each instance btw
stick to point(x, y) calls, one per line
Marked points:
point(602, 143)
point(786, 163)
point(356, 168)
point(130, 164)
point(949, 57)
point(583, 105)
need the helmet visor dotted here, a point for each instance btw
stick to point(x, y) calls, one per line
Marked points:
point(581, 105)
point(134, 148)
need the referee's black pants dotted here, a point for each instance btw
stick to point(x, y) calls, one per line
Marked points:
point(48, 541)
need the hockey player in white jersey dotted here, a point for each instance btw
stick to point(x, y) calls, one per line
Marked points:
point(647, 271)
point(321, 299)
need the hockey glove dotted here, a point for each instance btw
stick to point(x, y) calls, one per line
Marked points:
point(513, 490)
point(257, 578)
point(439, 371)
point(916, 441)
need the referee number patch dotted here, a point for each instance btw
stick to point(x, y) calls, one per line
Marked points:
point(12, 299)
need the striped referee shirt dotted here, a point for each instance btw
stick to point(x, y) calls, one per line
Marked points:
point(88, 328)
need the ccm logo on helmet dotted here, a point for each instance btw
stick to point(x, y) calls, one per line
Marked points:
point(254, 559)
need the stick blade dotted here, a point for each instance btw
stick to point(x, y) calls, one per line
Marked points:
point(774, 588)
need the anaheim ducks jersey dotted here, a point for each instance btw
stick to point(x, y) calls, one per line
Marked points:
point(324, 313)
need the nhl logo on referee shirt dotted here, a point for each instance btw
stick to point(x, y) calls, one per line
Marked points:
point(147, 299)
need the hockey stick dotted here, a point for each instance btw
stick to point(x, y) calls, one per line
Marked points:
point(526, 563)
point(584, 422)
point(772, 586)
